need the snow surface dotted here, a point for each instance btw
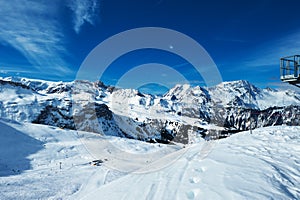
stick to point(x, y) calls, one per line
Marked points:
point(43, 162)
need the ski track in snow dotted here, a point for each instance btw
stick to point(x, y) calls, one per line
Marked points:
point(264, 165)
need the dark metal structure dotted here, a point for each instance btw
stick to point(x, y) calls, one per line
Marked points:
point(290, 69)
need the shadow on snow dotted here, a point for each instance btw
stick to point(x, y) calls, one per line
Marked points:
point(15, 148)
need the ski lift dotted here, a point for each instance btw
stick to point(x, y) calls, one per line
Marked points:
point(290, 70)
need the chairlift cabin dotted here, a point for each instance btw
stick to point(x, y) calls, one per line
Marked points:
point(290, 70)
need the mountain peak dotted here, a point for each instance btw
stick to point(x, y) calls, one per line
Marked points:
point(237, 83)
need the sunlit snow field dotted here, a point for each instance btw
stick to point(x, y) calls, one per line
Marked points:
point(43, 162)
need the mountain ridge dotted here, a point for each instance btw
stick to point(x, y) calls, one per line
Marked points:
point(182, 112)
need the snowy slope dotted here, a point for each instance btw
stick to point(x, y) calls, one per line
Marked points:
point(30, 162)
point(264, 165)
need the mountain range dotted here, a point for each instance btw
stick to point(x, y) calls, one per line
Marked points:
point(181, 115)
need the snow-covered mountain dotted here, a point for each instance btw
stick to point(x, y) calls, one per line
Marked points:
point(37, 160)
point(184, 111)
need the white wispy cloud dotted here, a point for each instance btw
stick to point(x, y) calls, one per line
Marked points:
point(31, 28)
point(24, 69)
point(84, 11)
point(269, 53)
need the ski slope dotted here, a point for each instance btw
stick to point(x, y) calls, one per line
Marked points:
point(43, 162)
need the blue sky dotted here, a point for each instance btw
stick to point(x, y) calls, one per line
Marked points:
point(50, 39)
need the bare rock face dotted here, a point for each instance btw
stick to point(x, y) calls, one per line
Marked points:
point(54, 116)
point(239, 119)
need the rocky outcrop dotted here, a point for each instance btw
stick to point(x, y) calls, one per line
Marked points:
point(239, 119)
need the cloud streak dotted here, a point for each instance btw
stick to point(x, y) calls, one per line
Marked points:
point(268, 54)
point(84, 11)
point(30, 27)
